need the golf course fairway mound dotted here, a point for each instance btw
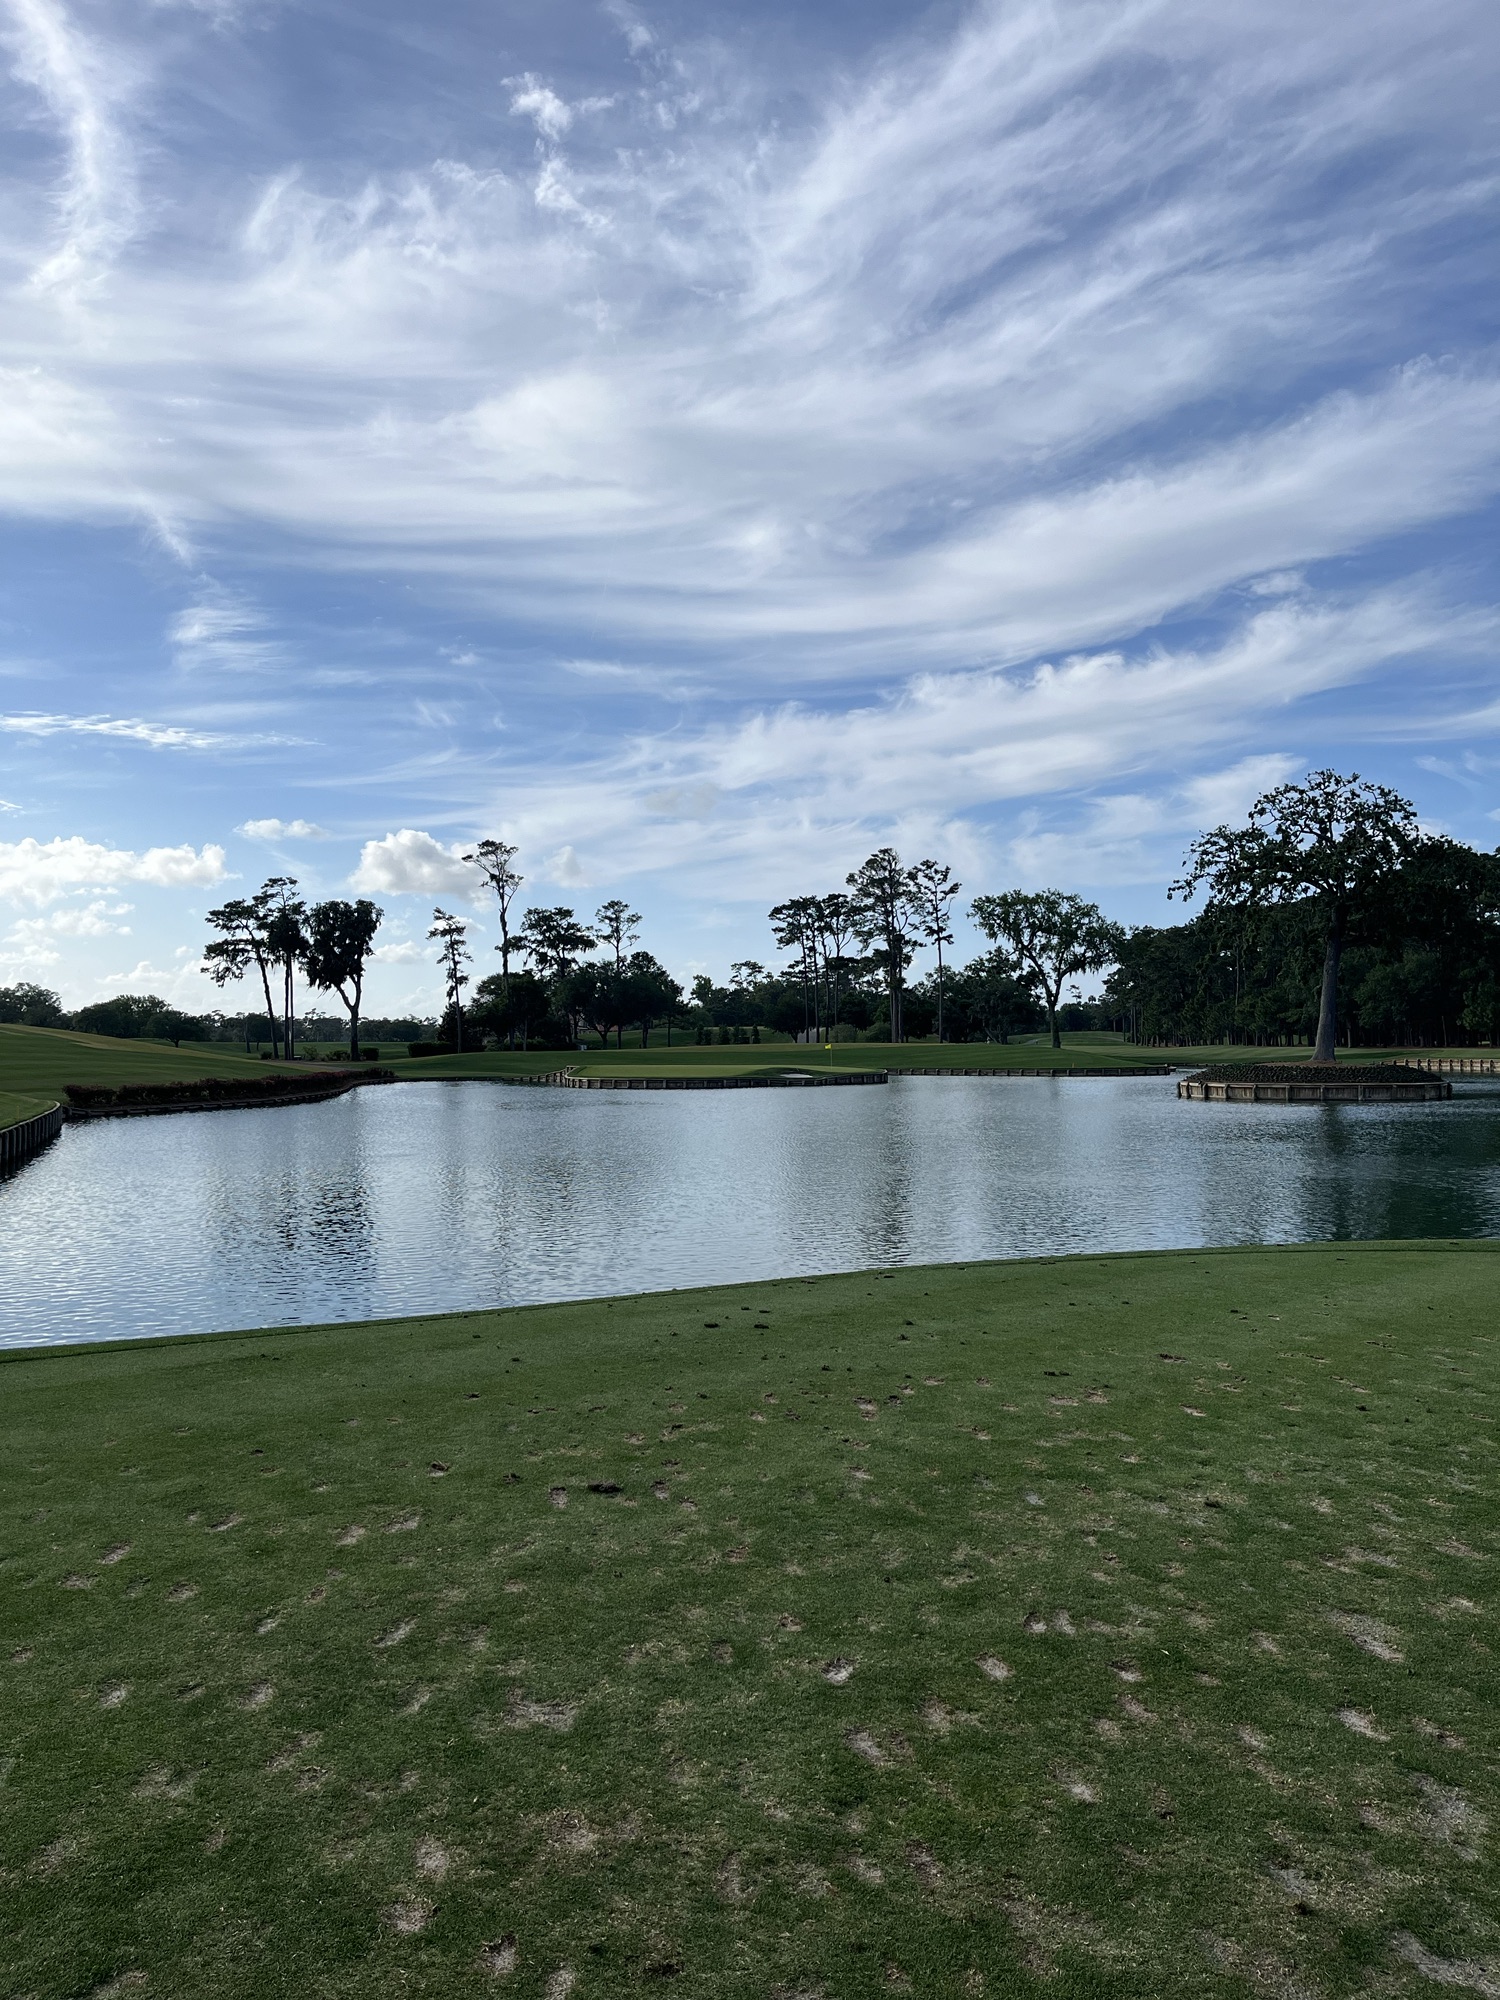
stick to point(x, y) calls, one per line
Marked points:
point(1105, 1626)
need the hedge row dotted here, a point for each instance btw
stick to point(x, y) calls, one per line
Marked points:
point(1308, 1072)
point(213, 1090)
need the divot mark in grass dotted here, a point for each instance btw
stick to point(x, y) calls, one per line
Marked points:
point(1079, 1789)
point(181, 1592)
point(838, 1673)
point(942, 1719)
point(1362, 1724)
point(863, 1869)
point(924, 1864)
point(350, 1535)
point(500, 1957)
point(868, 1410)
point(257, 1696)
point(730, 1885)
point(397, 1633)
point(1443, 1737)
point(993, 1668)
point(432, 1859)
point(410, 1915)
point(77, 1582)
point(524, 1713)
point(865, 1745)
point(570, 1833)
point(1472, 1974)
point(558, 1495)
point(1371, 1635)
point(222, 1527)
point(1447, 1816)
point(403, 1524)
point(560, 1983)
point(114, 1695)
point(117, 1554)
point(161, 1782)
point(267, 1625)
point(787, 1623)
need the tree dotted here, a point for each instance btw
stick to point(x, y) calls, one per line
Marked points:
point(339, 940)
point(1331, 847)
point(651, 994)
point(1049, 937)
point(794, 926)
point(496, 862)
point(133, 1016)
point(523, 1007)
point(932, 892)
point(882, 914)
point(615, 925)
point(450, 934)
point(244, 940)
point(554, 941)
point(285, 943)
point(28, 1006)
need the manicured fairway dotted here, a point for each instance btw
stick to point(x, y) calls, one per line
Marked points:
point(1113, 1626)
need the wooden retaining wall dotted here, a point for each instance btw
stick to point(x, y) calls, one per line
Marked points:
point(1160, 1069)
point(567, 1080)
point(1352, 1092)
point(1453, 1065)
point(19, 1142)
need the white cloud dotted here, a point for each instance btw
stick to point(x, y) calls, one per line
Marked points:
point(402, 952)
point(282, 829)
point(82, 82)
point(158, 735)
point(411, 863)
point(36, 871)
point(221, 630)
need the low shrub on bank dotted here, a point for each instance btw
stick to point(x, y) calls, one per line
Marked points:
point(1309, 1072)
point(211, 1090)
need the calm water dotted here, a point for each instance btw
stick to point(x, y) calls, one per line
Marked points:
point(432, 1196)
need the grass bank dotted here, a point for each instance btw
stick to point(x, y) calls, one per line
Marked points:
point(1108, 1626)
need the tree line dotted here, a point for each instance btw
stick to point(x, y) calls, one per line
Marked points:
point(1327, 912)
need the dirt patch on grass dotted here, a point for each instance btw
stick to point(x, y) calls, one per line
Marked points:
point(1371, 1635)
point(1472, 1975)
point(838, 1673)
point(500, 1957)
point(409, 1915)
point(524, 1713)
point(993, 1668)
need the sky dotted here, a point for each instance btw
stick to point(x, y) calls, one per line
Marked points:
point(701, 444)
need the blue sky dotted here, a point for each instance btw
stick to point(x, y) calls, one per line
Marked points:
point(702, 444)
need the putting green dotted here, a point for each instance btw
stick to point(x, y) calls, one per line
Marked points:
point(1106, 1626)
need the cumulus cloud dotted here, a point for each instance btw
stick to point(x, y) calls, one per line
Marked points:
point(411, 863)
point(34, 871)
point(282, 829)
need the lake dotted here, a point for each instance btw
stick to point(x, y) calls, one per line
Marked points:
point(431, 1197)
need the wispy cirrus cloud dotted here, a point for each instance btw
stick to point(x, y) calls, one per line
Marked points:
point(1004, 431)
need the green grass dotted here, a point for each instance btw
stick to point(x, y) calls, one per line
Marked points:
point(311, 1688)
point(39, 1063)
point(15, 1107)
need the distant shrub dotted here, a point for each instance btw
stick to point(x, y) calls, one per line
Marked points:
point(429, 1048)
point(203, 1090)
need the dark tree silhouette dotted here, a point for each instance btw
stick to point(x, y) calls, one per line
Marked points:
point(450, 933)
point(932, 893)
point(882, 914)
point(337, 946)
point(1332, 846)
point(496, 861)
point(244, 939)
point(1049, 937)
